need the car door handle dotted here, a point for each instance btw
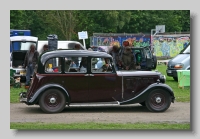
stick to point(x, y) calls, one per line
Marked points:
point(91, 74)
point(86, 75)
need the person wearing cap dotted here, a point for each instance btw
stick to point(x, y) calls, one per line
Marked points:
point(128, 60)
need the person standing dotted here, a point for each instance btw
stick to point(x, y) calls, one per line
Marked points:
point(30, 62)
point(45, 48)
point(115, 53)
point(128, 59)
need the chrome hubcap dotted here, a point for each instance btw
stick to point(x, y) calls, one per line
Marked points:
point(52, 100)
point(158, 99)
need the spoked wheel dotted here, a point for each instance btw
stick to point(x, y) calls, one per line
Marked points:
point(158, 100)
point(52, 101)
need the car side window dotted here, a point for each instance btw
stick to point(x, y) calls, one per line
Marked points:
point(75, 64)
point(102, 65)
point(53, 65)
point(147, 53)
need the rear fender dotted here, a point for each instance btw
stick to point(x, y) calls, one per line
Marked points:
point(45, 87)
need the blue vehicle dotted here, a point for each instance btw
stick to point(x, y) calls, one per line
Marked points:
point(17, 32)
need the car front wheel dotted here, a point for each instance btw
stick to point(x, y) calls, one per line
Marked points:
point(158, 100)
point(52, 101)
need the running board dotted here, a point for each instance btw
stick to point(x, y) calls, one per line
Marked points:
point(95, 104)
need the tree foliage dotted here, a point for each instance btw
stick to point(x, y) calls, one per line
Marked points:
point(67, 23)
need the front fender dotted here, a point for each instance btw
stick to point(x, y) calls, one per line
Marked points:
point(143, 95)
point(47, 86)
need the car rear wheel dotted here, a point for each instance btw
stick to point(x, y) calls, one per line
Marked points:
point(52, 101)
point(158, 100)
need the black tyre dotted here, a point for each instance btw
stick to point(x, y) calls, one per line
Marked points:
point(154, 62)
point(175, 78)
point(52, 101)
point(158, 100)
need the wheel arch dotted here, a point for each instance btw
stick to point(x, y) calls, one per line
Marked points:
point(144, 94)
point(164, 87)
point(40, 91)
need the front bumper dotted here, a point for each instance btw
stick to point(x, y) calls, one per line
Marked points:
point(171, 72)
point(22, 97)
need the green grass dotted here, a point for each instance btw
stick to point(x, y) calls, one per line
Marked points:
point(96, 126)
point(14, 94)
point(182, 95)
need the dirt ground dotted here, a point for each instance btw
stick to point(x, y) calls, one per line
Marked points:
point(178, 112)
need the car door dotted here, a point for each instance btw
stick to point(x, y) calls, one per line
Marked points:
point(76, 79)
point(101, 80)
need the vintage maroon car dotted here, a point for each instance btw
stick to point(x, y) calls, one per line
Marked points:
point(88, 78)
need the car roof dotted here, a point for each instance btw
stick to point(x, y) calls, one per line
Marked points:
point(142, 47)
point(68, 53)
point(23, 38)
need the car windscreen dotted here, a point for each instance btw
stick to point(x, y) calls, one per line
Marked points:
point(19, 45)
point(187, 50)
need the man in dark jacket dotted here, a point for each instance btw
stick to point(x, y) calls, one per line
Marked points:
point(30, 62)
point(128, 59)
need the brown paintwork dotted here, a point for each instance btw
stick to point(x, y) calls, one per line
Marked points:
point(95, 87)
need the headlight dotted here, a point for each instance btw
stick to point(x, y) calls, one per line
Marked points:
point(179, 66)
point(162, 78)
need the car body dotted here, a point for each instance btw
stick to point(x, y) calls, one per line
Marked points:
point(145, 57)
point(179, 62)
point(57, 83)
point(19, 47)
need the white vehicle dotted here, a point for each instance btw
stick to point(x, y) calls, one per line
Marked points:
point(179, 62)
point(19, 46)
point(61, 45)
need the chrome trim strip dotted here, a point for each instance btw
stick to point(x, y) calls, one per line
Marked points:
point(94, 104)
point(122, 86)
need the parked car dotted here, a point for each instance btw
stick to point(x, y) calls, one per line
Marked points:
point(179, 62)
point(19, 45)
point(145, 57)
point(56, 83)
